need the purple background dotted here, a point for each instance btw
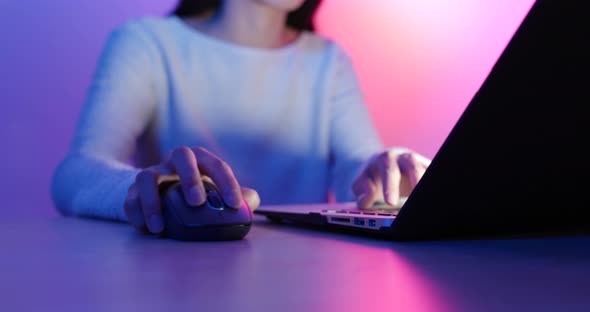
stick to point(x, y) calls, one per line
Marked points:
point(48, 50)
point(419, 61)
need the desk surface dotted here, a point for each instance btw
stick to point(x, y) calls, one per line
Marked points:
point(71, 264)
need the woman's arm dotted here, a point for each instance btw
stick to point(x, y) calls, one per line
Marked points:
point(362, 168)
point(353, 137)
point(94, 177)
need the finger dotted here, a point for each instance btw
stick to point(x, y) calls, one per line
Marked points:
point(184, 163)
point(411, 167)
point(251, 197)
point(365, 190)
point(390, 177)
point(133, 208)
point(222, 175)
point(420, 166)
point(147, 186)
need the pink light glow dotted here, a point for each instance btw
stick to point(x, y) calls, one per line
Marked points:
point(421, 61)
point(374, 278)
point(401, 286)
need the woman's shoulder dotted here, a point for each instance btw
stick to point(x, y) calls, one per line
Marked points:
point(146, 24)
point(147, 27)
point(317, 42)
point(322, 44)
point(329, 51)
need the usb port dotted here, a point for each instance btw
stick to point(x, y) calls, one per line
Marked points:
point(358, 221)
point(372, 222)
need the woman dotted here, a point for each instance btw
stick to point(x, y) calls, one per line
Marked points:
point(240, 91)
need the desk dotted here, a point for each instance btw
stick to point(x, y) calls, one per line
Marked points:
point(72, 264)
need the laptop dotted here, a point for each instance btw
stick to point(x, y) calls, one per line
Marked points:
point(512, 164)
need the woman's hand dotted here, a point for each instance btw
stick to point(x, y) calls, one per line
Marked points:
point(187, 165)
point(388, 176)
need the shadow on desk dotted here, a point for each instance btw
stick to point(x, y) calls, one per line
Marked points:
point(501, 274)
point(565, 245)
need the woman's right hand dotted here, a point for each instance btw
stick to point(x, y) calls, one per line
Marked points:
point(187, 165)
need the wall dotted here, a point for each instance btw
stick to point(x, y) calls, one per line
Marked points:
point(420, 62)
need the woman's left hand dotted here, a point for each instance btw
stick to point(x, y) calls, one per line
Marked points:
point(388, 176)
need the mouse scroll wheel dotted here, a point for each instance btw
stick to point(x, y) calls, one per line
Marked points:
point(214, 200)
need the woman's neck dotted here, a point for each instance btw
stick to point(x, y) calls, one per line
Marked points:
point(248, 23)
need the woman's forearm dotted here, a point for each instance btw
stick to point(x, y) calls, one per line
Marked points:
point(86, 185)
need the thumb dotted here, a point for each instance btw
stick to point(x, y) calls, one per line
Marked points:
point(251, 197)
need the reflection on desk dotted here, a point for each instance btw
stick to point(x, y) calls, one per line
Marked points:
point(72, 264)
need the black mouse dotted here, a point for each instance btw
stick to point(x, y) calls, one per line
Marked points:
point(211, 221)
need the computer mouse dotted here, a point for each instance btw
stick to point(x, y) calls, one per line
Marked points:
point(211, 221)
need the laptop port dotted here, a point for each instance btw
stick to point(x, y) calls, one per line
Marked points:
point(341, 220)
point(358, 221)
point(372, 222)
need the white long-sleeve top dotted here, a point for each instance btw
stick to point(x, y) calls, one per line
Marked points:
point(291, 122)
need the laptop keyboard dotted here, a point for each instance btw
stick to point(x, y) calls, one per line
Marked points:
point(380, 209)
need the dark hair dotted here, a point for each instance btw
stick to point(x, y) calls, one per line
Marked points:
point(300, 19)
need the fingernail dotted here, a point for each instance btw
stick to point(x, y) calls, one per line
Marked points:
point(194, 196)
point(156, 224)
point(391, 199)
